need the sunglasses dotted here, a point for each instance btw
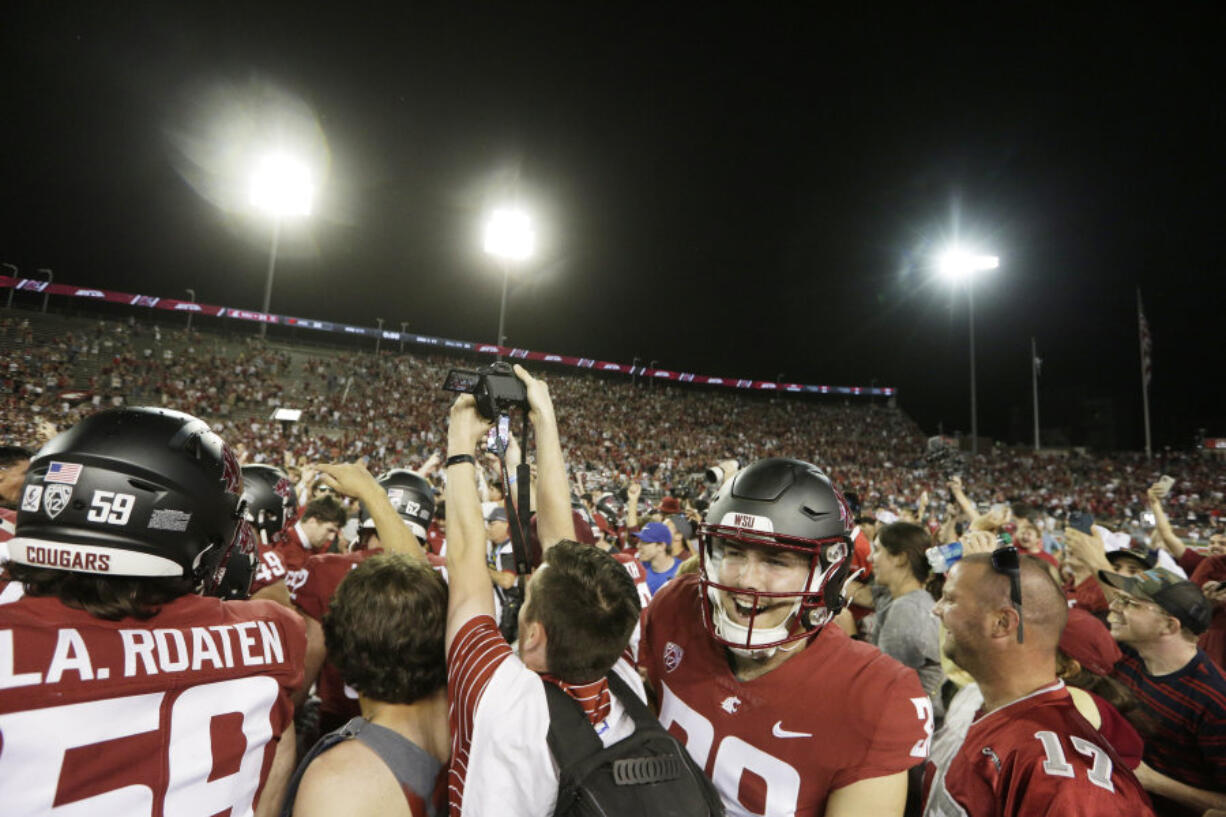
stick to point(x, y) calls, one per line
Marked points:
point(1007, 561)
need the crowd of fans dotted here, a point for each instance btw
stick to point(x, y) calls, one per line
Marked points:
point(384, 410)
point(1068, 662)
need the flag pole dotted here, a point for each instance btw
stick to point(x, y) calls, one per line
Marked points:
point(1034, 382)
point(1143, 331)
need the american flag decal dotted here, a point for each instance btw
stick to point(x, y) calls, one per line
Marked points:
point(65, 472)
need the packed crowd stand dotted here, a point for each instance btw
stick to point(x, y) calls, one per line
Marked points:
point(768, 566)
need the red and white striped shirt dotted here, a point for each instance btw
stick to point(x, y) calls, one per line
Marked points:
point(500, 722)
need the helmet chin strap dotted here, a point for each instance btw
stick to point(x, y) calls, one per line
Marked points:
point(729, 630)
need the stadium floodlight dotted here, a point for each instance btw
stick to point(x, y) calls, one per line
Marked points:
point(509, 237)
point(282, 187)
point(509, 234)
point(957, 265)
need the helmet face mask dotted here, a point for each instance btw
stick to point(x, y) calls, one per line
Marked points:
point(271, 501)
point(775, 507)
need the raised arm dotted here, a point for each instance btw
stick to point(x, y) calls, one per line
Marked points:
point(1166, 534)
point(554, 521)
point(964, 502)
point(470, 593)
point(353, 480)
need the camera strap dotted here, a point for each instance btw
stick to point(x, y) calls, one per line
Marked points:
point(518, 517)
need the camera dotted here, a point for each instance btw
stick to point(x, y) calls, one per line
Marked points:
point(495, 387)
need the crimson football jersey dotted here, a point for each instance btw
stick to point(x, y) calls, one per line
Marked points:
point(292, 550)
point(322, 574)
point(1037, 756)
point(270, 567)
point(836, 712)
point(176, 714)
point(635, 568)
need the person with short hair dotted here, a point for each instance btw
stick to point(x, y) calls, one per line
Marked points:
point(783, 711)
point(13, 463)
point(658, 564)
point(1028, 751)
point(125, 689)
point(579, 612)
point(384, 633)
point(1156, 617)
point(314, 532)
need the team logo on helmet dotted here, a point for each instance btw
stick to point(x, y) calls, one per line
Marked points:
point(283, 489)
point(672, 656)
point(55, 499)
point(231, 474)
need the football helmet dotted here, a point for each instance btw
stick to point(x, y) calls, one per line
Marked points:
point(133, 492)
point(411, 496)
point(271, 501)
point(789, 505)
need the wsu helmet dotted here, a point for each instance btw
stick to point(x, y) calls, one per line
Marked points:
point(133, 492)
point(411, 496)
point(271, 501)
point(777, 503)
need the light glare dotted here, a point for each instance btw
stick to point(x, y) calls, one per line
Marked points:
point(957, 264)
point(281, 186)
point(509, 235)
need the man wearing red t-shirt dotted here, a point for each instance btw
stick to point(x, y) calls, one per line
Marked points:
point(122, 692)
point(1028, 751)
point(786, 714)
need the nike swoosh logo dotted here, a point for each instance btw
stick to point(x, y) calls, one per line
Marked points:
point(778, 731)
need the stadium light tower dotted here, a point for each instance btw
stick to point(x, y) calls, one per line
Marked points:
point(511, 238)
point(281, 187)
point(960, 266)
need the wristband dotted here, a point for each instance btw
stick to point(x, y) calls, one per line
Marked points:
point(460, 458)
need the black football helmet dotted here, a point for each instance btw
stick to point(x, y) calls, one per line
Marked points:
point(271, 501)
point(133, 492)
point(776, 503)
point(411, 496)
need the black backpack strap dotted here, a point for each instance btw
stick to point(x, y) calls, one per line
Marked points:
point(571, 735)
point(633, 704)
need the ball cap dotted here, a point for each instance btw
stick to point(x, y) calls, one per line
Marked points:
point(1141, 556)
point(1087, 640)
point(1179, 597)
point(656, 532)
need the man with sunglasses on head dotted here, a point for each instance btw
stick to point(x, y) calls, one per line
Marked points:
point(785, 713)
point(1028, 751)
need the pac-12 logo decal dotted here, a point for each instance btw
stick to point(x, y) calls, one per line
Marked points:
point(55, 499)
point(672, 656)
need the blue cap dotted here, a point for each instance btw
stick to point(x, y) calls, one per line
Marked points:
point(655, 532)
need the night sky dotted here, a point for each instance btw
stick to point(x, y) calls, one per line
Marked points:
point(736, 192)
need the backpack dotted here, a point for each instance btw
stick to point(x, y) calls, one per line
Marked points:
point(646, 774)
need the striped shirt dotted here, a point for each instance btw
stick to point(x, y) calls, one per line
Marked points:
point(500, 719)
point(1189, 706)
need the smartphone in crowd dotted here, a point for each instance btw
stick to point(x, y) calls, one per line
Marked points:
point(1080, 520)
point(499, 435)
point(1165, 484)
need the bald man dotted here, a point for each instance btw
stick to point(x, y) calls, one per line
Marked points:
point(1029, 751)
